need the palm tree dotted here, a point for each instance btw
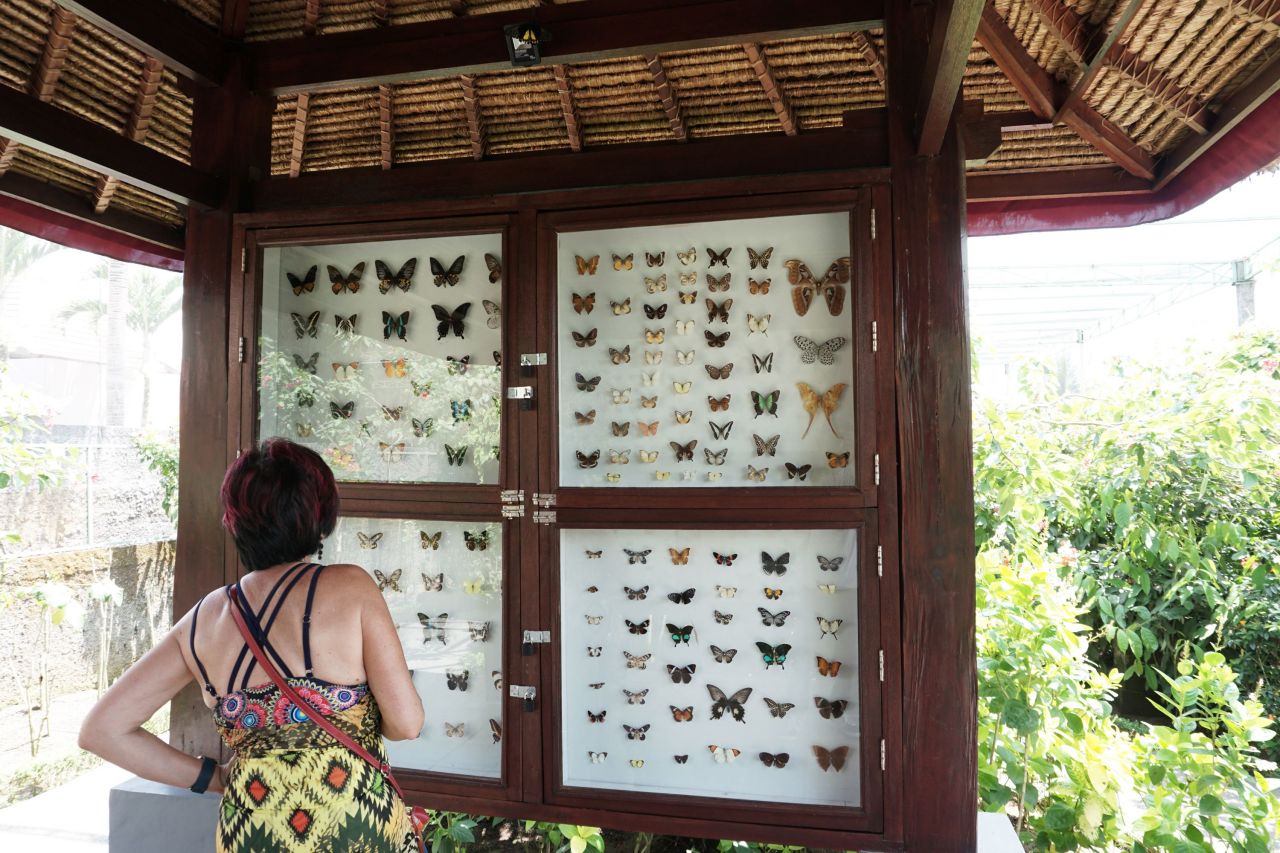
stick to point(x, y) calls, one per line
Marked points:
point(18, 251)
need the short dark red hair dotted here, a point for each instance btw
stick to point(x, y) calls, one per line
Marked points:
point(278, 501)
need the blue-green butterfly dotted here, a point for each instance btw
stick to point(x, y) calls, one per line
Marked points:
point(395, 324)
point(765, 404)
point(680, 635)
point(424, 428)
point(774, 654)
point(456, 455)
point(461, 410)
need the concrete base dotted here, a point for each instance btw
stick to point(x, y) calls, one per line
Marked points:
point(996, 835)
point(147, 817)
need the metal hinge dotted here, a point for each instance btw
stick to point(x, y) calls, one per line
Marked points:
point(537, 636)
point(533, 359)
point(544, 516)
point(523, 691)
point(520, 392)
point(882, 755)
point(873, 223)
point(240, 350)
point(513, 511)
point(511, 496)
point(877, 460)
point(244, 259)
point(544, 500)
point(879, 561)
point(882, 664)
point(875, 337)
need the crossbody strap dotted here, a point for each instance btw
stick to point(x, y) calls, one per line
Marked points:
point(311, 711)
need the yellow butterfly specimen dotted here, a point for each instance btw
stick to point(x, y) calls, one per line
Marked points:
point(683, 417)
point(827, 401)
point(662, 475)
point(648, 456)
point(620, 263)
point(473, 587)
point(587, 266)
point(682, 387)
point(688, 257)
point(656, 285)
point(395, 369)
point(655, 336)
point(613, 477)
point(620, 308)
point(679, 557)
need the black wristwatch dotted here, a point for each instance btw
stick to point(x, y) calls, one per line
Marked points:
point(206, 776)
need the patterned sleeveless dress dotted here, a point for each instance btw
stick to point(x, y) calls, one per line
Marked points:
point(292, 787)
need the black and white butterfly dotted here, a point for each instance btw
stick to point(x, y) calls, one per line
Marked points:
point(829, 564)
point(450, 321)
point(636, 732)
point(778, 709)
point(762, 365)
point(433, 627)
point(723, 618)
point(344, 326)
point(797, 472)
point(773, 620)
point(824, 353)
point(585, 384)
point(766, 447)
point(775, 565)
point(458, 680)
point(723, 655)
point(634, 557)
point(636, 594)
point(308, 325)
point(681, 674)
point(720, 431)
point(637, 627)
point(392, 580)
point(635, 698)
point(733, 704)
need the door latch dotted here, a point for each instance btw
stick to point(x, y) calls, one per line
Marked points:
point(532, 638)
point(530, 360)
point(525, 692)
point(523, 393)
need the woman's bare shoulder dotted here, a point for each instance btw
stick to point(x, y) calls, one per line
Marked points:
point(348, 577)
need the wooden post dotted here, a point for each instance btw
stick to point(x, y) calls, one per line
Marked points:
point(931, 351)
point(230, 137)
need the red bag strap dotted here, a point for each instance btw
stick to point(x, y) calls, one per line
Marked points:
point(292, 695)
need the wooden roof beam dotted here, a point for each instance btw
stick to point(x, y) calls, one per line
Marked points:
point(667, 96)
point(1099, 57)
point(235, 18)
point(45, 78)
point(590, 30)
point(571, 124)
point(73, 204)
point(1264, 12)
point(868, 50)
point(385, 127)
point(298, 134)
point(760, 66)
point(144, 104)
point(310, 17)
point(1040, 92)
point(159, 29)
point(1003, 185)
point(61, 133)
point(474, 125)
point(955, 23)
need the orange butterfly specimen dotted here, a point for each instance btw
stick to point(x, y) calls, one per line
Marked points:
point(584, 304)
point(679, 557)
point(827, 401)
point(758, 288)
point(720, 405)
point(682, 715)
point(829, 668)
point(395, 369)
point(349, 282)
point(587, 266)
point(806, 288)
point(831, 758)
point(647, 429)
point(837, 460)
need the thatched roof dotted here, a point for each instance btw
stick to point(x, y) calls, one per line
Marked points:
point(1177, 61)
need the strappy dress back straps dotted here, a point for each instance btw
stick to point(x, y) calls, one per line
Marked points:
point(191, 641)
point(288, 580)
point(306, 621)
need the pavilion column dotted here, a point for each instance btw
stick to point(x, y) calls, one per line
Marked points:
point(230, 138)
point(931, 351)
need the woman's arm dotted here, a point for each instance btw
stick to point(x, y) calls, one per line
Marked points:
point(114, 730)
point(385, 666)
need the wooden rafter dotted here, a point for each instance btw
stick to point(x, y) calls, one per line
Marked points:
point(1182, 103)
point(160, 29)
point(954, 25)
point(868, 50)
point(298, 134)
point(144, 104)
point(381, 12)
point(1039, 91)
point(667, 96)
point(384, 125)
point(45, 78)
point(1003, 185)
point(235, 18)
point(311, 17)
point(760, 66)
point(1265, 12)
point(1099, 57)
point(571, 124)
point(458, 8)
point(474, 126)
point(51, 197)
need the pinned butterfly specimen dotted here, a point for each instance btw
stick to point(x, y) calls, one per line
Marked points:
point(634, 557)
point(494, 263)
point(758, 324)
point(588, 340)
point(765, 447)
point(721, 258)
point(647, 429)
point(681, 715)
point(433, 584)
point(687, 258)
point(655, 260)
point(720, 431)
point(652, 357)
point(656, 285)
point(307, 283)
point(620, 356)
point(688, 279)
point(585, 384)
point(593, 555)
point(828, 588)
point(757, 475)
point(343, 411)
point(304, 430)
point(823, 353)
point(450, 730)
point(494, 312)
point(495, 727)
point(597, 757)
point(350, 282)
point(721, 372)
point(681, 759)
point(458, 366)
point(718, 311)
point(475, 586)
point(765, 404)
point(477, 541)
point(635, 698)
point(684, 327)
point(637, 661)
point(772, 594)
point(404, 278)
point(585, 419)
point(724, 559)
point(309, 365)
point(655, 312)
point(636, 594)
point(831, 758)
point(680, 634)
point(682, 387)
point(442, 276)
point(773, 620)
point(688, 297)
point(588, 460)
point(384, 581)
point(597, 717)
point(460, 409)
point(303, 326)
point(395, 369)
point(684, 452)
point(458, 680)
point(393, 413)
point(621, 264)
point(593, 589)
point(587, 266)
point(645, 402)
point(681, 674)
point(806, 288)
point(593, 651)
point(648, 457)
point(830, 709)
point(827, 401)
point(306, 398)
point(637, 627)
point(723, 655)
point(797, 472)
point(391, 452)
point(584, 304)
point(682, 417)
point(654, 336)
point(716, 341)
point(685, 597)
point(774, 655)
point(719, 285)
point(620, 308)
point(726, 592)
point(758, 288)
point(596, 685)
point(778, 709)
point(479, 631)
point(715, 457)
point(775, 566)
point(830, 564)
point(759, 259)
point(679, 557)
point(398, 324)
point(344, 371)
point(837, 460)
point(450, 321)
point(779, 760)
point(720, 404)
point(433, 627)
point(346, 326)
point(423, 428)
point(594, 620)
point(733, 705)
point(456, 455)
point(829, 668)
point(723, 754)
point(829, 627)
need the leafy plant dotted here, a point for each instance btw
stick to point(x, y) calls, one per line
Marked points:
point(24, 461)
point(160, 454)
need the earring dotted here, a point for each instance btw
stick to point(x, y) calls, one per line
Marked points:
point(320, 552)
